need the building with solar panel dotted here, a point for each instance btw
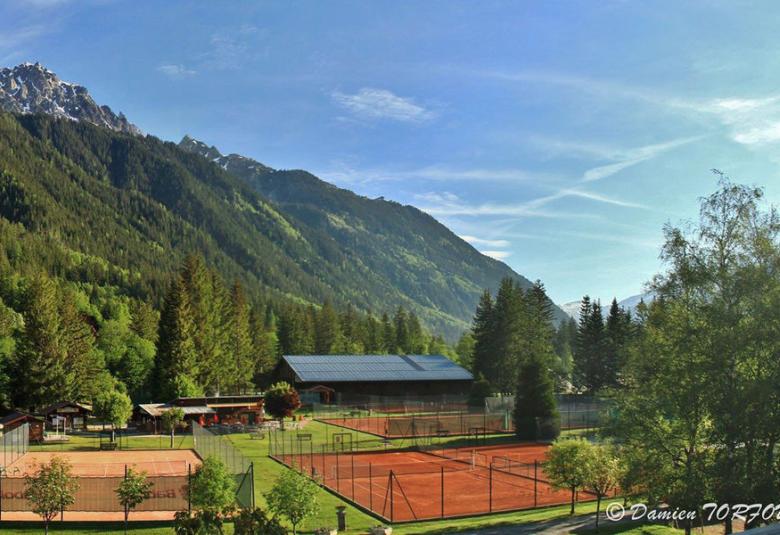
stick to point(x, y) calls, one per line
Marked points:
point(348, 378)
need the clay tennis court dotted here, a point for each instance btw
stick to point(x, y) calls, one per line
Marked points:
point(411, 485)
point(110, 463)
point(98, 474)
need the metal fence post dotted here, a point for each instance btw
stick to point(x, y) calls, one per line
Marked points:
point(442, 491)
point(392, 509)
point(352, 462)
point(490, 506)
point(338, 479)
point(370, 489)
point(252, 483)
point(189, 488)
point(536, 479)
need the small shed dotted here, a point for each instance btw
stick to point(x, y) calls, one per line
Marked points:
point(70, 413)
point(240, 409)
point(14, 419)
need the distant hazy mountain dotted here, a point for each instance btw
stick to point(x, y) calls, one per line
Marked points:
point(32, 88)
point(572, 309)
point(630, 303)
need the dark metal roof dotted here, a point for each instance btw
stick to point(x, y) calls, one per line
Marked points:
point(348, 368)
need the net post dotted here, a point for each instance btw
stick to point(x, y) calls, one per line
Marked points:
point(536, 479)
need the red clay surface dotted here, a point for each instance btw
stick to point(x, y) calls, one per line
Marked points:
point(425, 486)
point(98, 475)
point(110, 463)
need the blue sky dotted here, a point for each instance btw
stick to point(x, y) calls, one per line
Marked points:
point(557, 136)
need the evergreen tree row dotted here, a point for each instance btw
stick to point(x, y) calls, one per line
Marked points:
point(513, 352)
point(65, 340)
point(509, 330)
point(600, 347)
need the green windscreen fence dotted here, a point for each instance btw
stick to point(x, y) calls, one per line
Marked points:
point(207, 444)
point(14, 444)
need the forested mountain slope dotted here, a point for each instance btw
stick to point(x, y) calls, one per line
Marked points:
point(141, 205)
point(416, 254)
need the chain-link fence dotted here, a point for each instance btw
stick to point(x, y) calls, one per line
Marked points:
point(15, 444)
point(207, 444)
point(576, 411)
point(424, 483)
point(393, 404)
point(439, 424)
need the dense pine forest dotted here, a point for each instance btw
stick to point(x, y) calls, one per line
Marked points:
point(64, 338)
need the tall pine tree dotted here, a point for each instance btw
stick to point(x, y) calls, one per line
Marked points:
point(238, 377)
point(482, 333)
point(177, 359)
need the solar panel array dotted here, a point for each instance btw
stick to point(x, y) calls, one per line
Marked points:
point(345, 368)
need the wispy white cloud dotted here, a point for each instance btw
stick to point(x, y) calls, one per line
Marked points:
point(751, 121)
point(632, 240)
point(176, 70)
point(482, 241)
point(433, 196)
point(349, 175)
point(19, 36)
point(230, 49)
point(43, 3)
point(633, 157)
point(372, 103)
point(498, 255)
point(532, 208)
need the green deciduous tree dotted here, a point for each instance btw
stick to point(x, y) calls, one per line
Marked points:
point(132, 491)
point(567, 466)
point(170, 419)
point(51, 490)
point(113, 406)
point(293, 497)
point(605, 471)
point(213, 488)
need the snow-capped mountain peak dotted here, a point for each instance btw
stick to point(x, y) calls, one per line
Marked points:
point(32, 88)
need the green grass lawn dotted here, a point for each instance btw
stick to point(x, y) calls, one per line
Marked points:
point(267, 470)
